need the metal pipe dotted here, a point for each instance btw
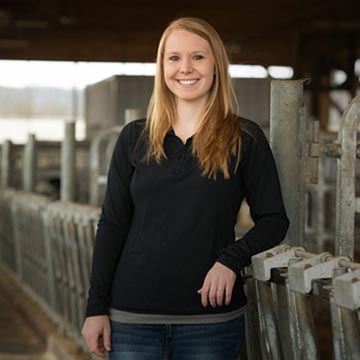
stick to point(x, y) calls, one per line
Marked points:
point(251, 318)
point(283, 318)
point(337, 331)
point(342, 262)
point(349, 264)
point(68, 163)
point(307, 327)
point(294, 327)
point(271, 330)
point(29, 164)
point(288, 141)
point(345, 181)
point(6, 163)
point(97, 177)
point(351, 328)
point(296, 340)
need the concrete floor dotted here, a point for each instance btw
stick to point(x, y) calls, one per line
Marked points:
point(17, 340)
point(26, 333)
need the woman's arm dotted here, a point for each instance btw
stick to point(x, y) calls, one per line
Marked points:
point(263, 194)
point(114, 224)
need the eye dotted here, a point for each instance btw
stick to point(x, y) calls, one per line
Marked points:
point(198, 57)
point(174, 58)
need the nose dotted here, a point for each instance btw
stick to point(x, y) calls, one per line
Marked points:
point(186, 66)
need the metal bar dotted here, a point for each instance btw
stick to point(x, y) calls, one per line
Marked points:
point(251, 319)
point(304, 254)
point(351, 328)
point(294, 327)
point(283, 318)
point(29, 164)
point(6, 163)
point(345, 180)
point(338, 335)
point(265, 349)
point(342, 262)
point(51, 279)
point(98, 163)
point(271, 330)
point(288, 141)
point(307, 327)
point(349, 264)
point(327, 149)
point(68, 163)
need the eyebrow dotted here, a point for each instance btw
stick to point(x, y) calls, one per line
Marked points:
point(193, 52)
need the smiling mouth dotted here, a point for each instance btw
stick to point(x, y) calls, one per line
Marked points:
point(187, 82)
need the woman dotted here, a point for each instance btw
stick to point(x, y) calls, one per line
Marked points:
point(166, 274)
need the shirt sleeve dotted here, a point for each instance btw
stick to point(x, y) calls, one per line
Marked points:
point(263, 195)
point(113, 226)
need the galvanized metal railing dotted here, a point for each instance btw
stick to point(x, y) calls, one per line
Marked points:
point(285, 278)
point(70, 231)
point(283, 281)
point(48, 246)
point(7, 244)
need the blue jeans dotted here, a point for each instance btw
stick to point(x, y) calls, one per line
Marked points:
point(217, 341)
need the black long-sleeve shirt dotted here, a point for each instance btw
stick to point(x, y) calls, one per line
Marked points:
point(164, 226)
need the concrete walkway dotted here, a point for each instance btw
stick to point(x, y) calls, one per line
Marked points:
point(17, 339)
point(26, 333)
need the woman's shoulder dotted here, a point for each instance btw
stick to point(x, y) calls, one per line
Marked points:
point(249, 126)
point(134, 127)
point(132, 131)
point(250, 130)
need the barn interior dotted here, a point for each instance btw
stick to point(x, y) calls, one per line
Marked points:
point(51, 190)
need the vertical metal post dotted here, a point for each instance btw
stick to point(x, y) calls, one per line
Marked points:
point(345, 181)
point(283, 318)
point(351, 328)
point(336, 323)
point(29, 164)
point(337, 331)
point(133, 114)
point(99, 161)
point(6, 163)
point(268, 321)
point(307, 327)
point(251, 318)
point(294, 327)
point(68, 163)
point(288, 141)
point(51, 280)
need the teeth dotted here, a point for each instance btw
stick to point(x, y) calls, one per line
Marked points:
point(187, 82)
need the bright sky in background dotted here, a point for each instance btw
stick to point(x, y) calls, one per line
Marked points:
point(66, 74)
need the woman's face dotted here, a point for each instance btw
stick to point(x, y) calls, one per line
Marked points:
point(189, 66)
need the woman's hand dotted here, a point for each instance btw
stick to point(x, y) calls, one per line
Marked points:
point(96, 332)
point(218, 283)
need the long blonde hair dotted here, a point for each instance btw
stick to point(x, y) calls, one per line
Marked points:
point(218, 135)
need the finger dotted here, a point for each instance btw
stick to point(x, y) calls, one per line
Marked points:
point(107, 338)
point(228, 294)
point(204, 291)
point(100, 353)
point(96, 346)
point(220, 295)
point(212, 295)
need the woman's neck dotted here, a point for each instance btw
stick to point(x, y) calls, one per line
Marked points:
point(188, 120)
